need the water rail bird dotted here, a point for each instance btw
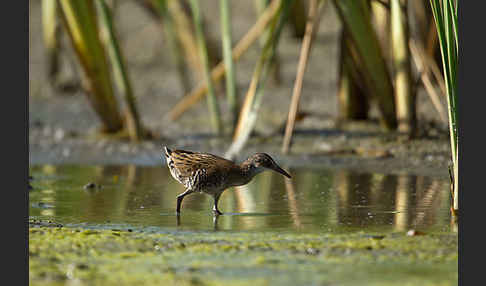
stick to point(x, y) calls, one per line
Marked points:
point(210, 174)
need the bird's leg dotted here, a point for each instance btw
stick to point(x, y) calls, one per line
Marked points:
point(215, 222)
point(215, 207)
point(180, 198)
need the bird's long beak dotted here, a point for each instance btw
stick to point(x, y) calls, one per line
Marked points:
point(277, 169)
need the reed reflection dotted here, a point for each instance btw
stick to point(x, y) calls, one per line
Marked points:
point(313, 200)
point(353, 198)
point(395, 200)
point(293, 206)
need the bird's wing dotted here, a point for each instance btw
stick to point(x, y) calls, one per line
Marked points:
point(186, 165)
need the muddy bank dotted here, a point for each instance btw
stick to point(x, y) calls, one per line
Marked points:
point(59, 255)
point(360, 150)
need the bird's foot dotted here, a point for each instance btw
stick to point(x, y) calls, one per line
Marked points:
point(217, 212)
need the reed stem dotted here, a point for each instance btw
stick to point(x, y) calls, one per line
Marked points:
point(219, 71)
point(120, 72)
point(225, 10)
point(260, 6)
point(402, 76)
point(445, 16)
point(353, 100)
point(418, 57)
point(299, 79)
point(50, 33)
point(252, 102)
point(298, 18)
point(167, 19)
point(185, 34)
point(211, 99)
point(80, 20)
point(355, 16)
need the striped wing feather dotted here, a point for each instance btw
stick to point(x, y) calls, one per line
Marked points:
point(197, 170)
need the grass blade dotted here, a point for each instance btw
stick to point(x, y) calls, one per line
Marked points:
point(445, 16)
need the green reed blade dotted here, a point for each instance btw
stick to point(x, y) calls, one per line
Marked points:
point(225, 11)
point(211, 98)
point(120, 73)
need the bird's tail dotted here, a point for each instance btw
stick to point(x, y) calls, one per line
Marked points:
point(167, 152)
point(168, 157)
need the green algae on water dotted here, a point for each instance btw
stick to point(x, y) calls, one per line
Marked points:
point(118, 257)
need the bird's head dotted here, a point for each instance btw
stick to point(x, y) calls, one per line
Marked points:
point(261, 161)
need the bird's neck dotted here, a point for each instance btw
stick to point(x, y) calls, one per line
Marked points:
point(247, 172)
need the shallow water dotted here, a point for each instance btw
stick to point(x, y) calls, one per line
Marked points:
point(314, 200)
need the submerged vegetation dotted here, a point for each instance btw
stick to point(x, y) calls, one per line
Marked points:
point(126, 257)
